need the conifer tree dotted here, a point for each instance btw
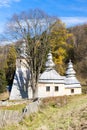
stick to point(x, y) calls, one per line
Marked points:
point(11, 65)
point(3, 82)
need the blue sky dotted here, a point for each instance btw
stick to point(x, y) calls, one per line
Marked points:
point(70, 11)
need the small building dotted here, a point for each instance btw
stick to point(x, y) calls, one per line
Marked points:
point(50, 84)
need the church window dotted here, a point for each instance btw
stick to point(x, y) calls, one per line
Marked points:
point(56, 88)
point(72, 90)
point(47, 88)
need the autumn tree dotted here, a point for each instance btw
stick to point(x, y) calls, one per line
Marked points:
point(58, 42)
point(33, 28)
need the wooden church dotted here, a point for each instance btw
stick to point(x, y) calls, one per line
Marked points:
point(50, 84)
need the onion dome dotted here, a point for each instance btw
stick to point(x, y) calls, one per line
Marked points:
point(71, 80)
point(70, 71)
point(49, 64)
point(50, 75)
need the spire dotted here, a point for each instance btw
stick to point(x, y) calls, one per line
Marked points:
point(70, 71)
point(49, 64)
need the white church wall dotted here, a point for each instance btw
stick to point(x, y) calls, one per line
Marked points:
point(42, 93)
point(19, 89)
point(21, 63)
point(72, 91)
point(15, 92)
point(30, 93)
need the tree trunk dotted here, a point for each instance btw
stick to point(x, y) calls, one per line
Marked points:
point(34, 94)
point(34, 89)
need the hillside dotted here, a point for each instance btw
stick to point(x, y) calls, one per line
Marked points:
point(79, 51)
point(52, 116)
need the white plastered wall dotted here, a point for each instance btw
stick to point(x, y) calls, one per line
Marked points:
point(76, 91)
point(42, 93)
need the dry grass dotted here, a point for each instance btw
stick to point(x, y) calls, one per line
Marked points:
point(72, 116)
point(18, 107)
point(4, 96)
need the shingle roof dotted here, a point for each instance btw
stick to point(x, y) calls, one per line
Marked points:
point(50, 75)
point(71, 79)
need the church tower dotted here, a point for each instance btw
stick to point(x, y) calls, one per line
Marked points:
point(71, 82)
point(20, 83)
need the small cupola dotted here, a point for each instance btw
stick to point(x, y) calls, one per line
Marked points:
point(71, 80)
point(49, 64)
point(70, 71)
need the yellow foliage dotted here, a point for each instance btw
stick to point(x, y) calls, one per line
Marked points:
point(58, 44)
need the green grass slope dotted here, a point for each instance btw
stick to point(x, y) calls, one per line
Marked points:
point(72, 116)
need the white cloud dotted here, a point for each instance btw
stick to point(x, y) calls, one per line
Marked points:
point(7, 3)
point(71, 21)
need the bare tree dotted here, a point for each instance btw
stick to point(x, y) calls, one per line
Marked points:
point(33, 28)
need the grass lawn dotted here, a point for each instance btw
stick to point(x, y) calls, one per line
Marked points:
point(72, 116)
